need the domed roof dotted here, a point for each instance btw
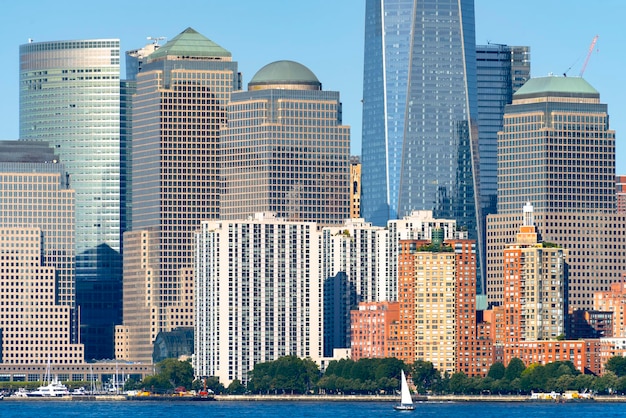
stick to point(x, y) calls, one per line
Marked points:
point(284, 74)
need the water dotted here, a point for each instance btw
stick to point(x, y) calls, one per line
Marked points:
point(147, 409)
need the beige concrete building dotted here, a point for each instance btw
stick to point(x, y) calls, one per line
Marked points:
point(36, 257)
point(285, 149)
point(534, 295)
point(557, 152)
point(183, 89)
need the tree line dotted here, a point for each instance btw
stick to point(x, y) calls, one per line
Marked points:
point(293, 375)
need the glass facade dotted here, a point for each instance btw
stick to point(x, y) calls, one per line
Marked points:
point(420, 68)
point(500, 70)
point(385, 80)
point(70, 97)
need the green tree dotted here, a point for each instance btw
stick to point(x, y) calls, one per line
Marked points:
point(534, 377)
point(617, 364)
point(606, 383)
point(236, 388)
point(178, 373)
point(584, 382)
point(459, 383)
point(157, 383)
point(496, 371)
point(565, 382)
point(132, 384)
point(424, 375)
point(514, 369)
point(285, 374)
point(389, 368)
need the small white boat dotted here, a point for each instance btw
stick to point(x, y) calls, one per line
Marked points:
point(406, 402)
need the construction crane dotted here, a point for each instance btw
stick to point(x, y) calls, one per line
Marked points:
point(591, 47)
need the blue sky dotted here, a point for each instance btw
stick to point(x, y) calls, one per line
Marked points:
point(327, 37)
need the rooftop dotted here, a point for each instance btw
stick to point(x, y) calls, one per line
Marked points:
point(559, 86)
point(190, 43)
point(284, 73)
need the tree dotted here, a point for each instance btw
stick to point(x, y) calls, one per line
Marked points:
point(424, 375)
point(514, 369)
point(606, 383)
point(178, 373)
point(157, 383)
point(285, 374)
point(496, 371)
point(459, 383)
point(236, 388)
point(617, 364)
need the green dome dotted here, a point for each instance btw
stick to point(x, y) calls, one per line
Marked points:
point(284, 74)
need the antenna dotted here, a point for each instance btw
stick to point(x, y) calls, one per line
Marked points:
point(593, 45)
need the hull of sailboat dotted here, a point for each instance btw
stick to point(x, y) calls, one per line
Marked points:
point(404, 407)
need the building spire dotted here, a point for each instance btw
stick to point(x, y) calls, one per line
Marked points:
point(529, 217)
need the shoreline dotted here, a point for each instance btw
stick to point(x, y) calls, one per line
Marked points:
point(318, 398)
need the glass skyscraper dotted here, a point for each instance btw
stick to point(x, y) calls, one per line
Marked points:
point(70, 97)
point(419, 111)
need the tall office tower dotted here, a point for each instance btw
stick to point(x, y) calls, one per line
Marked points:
point(419, 148)
point(355, 187)
point(36, 256)
point(500, 71)
point(183, 89)
point(128, 87)
point(70, 97)
point(557, 152)
point(285, 149)
point(350, 261)
point(419, 95)
point(257, 292)
point(534, 296)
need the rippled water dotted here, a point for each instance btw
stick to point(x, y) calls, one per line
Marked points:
point(147, 409)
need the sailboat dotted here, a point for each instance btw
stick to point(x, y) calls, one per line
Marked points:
point(406, 402)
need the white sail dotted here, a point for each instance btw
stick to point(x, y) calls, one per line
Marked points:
point(405, 393)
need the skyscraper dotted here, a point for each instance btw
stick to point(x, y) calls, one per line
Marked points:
point(419, 111)
point(500, 71)
point(557, 152)
point(257, 294)
point(419, 96)
point(180, 104)
point(70, 97)
point(285, 149)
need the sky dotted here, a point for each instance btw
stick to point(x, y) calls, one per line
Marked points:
point(327, 37)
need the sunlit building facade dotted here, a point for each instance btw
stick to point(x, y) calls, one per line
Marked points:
point(36, 257)
point(183, 89)
point(257, 295)
point(557, 152)
point(285, 149)
point(70, 97)
point(419, 111)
